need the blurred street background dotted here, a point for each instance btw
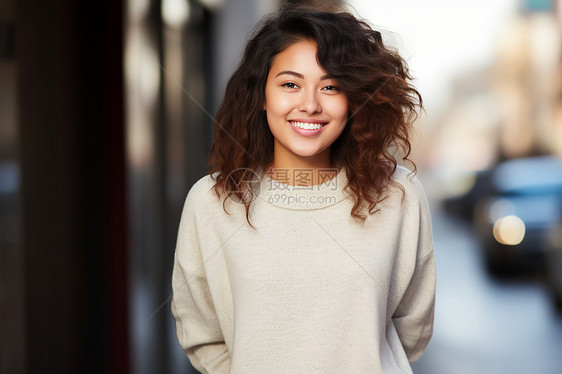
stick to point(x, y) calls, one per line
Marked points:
point(106, 114)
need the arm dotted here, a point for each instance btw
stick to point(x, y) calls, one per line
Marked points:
point(197, 326)
point(413, 318)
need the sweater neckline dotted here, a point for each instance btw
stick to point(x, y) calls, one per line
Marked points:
point(301, 197)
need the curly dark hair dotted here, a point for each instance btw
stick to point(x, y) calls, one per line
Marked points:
point(375, 79)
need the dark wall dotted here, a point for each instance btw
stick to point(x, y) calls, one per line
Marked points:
point(73, 206)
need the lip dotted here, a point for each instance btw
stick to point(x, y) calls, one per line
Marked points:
point(308, 120)
point(305, 132)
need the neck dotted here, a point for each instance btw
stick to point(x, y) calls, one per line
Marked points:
point(301, 173)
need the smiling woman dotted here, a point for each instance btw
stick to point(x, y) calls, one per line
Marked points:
point(335, 273)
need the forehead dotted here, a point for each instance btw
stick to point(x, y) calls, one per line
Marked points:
point(299, 56)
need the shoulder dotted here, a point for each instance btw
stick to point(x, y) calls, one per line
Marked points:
point(409, 181)
point(203, 185)
point(201, 194)
point(415, 211)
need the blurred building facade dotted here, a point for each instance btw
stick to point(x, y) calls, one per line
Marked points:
point(524, 84)
point(505, 110)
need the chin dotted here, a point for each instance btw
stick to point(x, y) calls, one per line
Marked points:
point(307, 153)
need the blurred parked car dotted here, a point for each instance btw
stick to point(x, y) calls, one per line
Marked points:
point(554, 264)
point(464, 206)
point(521, 208)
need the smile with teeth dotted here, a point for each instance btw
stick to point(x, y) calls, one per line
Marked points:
point(307, 126)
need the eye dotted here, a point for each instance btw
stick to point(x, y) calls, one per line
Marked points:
point(331, 88)
point(290, 85)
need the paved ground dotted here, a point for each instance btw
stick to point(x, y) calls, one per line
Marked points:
point(483, 325)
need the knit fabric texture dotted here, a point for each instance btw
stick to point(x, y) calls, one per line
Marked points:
point(311, 289)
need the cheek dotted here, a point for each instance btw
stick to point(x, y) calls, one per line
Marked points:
point(277, 102)
point(340, 109)
point(273, 122)
point(278, 105)
point(337, 109)
point(344, 105)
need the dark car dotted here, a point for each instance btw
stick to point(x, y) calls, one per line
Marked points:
point(523, 205)
point(554, 264)
point(463, 205)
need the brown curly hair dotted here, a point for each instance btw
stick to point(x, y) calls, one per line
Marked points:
point(382, 104)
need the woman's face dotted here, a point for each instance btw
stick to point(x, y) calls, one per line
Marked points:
point(306, 111)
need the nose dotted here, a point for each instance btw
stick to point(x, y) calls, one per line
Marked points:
point(309, 102)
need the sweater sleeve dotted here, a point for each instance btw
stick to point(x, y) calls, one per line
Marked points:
point(413, 318)
point(197, 325)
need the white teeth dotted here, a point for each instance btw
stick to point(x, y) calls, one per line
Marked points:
point(307, 126)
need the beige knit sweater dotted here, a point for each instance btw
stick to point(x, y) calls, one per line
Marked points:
point(311, 290)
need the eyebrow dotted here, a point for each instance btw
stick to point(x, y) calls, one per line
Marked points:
point(299, 75)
